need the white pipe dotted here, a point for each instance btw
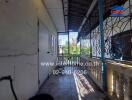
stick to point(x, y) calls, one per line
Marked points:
point(88, 13)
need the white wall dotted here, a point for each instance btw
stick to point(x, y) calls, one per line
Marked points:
point(44, 16)
point(19, 45)
point(45, 41)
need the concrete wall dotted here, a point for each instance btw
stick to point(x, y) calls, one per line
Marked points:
point(44, 16)
point(19, 46)
point(45, 46)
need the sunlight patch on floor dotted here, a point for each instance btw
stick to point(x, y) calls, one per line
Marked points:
point(83, 86)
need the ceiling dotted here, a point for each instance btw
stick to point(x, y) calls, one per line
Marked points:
point(76, 13)
point(55, 10)
point(83, 15)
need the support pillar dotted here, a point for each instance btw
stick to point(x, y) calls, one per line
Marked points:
point(101, 13)
point(90, 40)
point(90, 46)
point(68, 44)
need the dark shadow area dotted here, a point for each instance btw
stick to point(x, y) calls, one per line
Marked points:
point(42, 97)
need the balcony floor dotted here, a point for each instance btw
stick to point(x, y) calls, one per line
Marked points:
point(71, 86)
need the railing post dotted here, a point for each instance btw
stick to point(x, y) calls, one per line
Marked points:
point(121, 87)
point(101, 13)
point(114, 83)
point(130, 88)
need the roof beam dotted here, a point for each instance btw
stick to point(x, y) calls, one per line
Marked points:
point(88, 13)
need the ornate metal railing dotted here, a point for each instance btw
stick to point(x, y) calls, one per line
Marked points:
point(119, 77)
point(93, 67)
point(119, 80)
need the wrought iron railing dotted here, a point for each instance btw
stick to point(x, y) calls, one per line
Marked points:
point(119, 77)
point(93, 67)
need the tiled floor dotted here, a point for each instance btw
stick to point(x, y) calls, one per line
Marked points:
point(71, 86)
